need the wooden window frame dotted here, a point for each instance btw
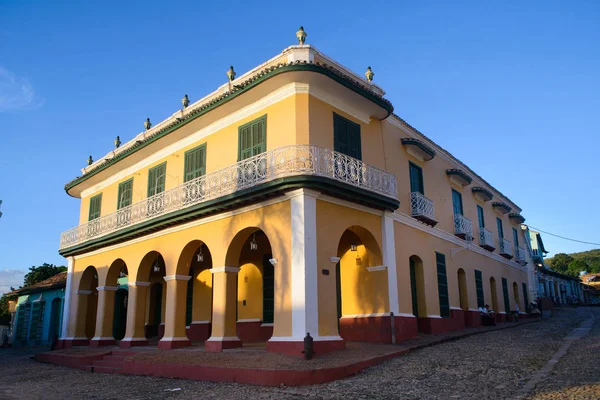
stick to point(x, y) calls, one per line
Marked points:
point(161, 165)
point(185, 156)
point(98, 198)
point(120, 194)
point(242, 127)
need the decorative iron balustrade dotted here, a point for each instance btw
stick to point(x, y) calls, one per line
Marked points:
point(520, 254)
point(421, 206)
point(278, 163)
point(463, 226)
point(485, 238)
point(505, 247)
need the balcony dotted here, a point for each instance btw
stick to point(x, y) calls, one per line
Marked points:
point(422, 208)
point(463, 228)
point(485, 239)
point(505, 248)
point(520, 255)
point(274, 166)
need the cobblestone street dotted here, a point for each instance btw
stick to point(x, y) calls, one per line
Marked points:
point(494, 365)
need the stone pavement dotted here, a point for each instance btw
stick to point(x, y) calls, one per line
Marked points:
point(487, 366)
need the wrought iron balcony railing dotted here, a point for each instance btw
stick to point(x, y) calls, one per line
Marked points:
point(485, 239)
point(520, 254)
point(422, 208)
point(463, 227)
point(505, 248)
point(278, 163)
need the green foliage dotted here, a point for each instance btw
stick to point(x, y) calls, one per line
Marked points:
point(560, 262)
point(4, 314)
point(577, 266)
point(41, 273)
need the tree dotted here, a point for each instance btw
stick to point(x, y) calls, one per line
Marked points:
point(577, 266)
point(560, 262)
point(41, 273)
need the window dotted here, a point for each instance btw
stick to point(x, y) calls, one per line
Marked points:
point(195, 163)
point(457, 202)
point(95, 205)
point(440, 260)
point(479, 288)
point(252, 138)
point(505, 294)
point(525, 297)
point(125, 193)
point(500, 230)
point(346, 137)
point(156, 179)
point(416, 178)
point(515, 237)
point(480, 217)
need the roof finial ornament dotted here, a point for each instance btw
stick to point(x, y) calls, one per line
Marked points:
point(185, 101)
point(90, 160)
point(301, 35)
point(369, 74)
point(231, 74)
point(117, 142)
point(147, 124)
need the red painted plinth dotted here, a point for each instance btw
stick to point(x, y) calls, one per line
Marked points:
point(102, 342)
point(296, 348)
point(405, 328)
point(500, 317)
point(436, 325)
point(219, 345)
point(472, 318)
point(127, 344)
point(457, 318)
point(198, 332)
point(173, 344)
point(69, 343)
point(509, 317)
point(366, 329)
point(254, 331)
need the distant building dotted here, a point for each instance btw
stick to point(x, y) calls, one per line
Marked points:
point(38, 312)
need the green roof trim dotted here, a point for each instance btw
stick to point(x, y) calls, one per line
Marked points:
point(236, 200)
point(238, 89)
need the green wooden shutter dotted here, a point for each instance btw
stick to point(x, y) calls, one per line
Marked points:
point(480, 217)
point(156, 179)
point(442, 285)
point(252, 138)
point(346, 137)
point(525, 297)
point(515, 237)
point(505, 294)
point(416, 178)
point(268, 290)
point(195, 163)
point(457, 202)
point(95, 206)
point(189, 299)
point(500, 229)
point(413, 288)
point(125, 194)
point(479, 288)
point(37, 320)
point(23, 318)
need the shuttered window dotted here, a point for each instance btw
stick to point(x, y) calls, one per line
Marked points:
point(479, 288)
point(95, 205)
point(413, 288)
point(195, 163)
point(37, 321)
point(346, 137)
point(515, 237)
point(480, 217)
point(156, 179)
point(500, 229)
point(416, 178)
point(252, 138)
point(505, 294)
point(23, 322)
point(457, 203)
point(125, 194)
point(440, 260)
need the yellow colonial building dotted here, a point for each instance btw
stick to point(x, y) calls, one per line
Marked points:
point(291, 200)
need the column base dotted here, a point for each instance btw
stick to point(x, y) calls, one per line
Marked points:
point(128, 343)
point(254, 331)
point(406, 327)
point(473, 318)
point(174, 343)
point(98, 342)
point(367, 328)
point(295, 348)
point(198, 331)
point(214, 345)
point(72, 342)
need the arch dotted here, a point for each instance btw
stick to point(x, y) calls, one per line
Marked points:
point(152, 263)
point(417, 286)
point(152, 269)
point(120, 313)
point(88, 300)
point(117, 270)
point(250, 250)
point(516, 296)
point(463, 292)
point(494, 294)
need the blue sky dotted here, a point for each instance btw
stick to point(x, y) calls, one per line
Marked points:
point(511, 90)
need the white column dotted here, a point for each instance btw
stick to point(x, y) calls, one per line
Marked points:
point(67, 306)
point(305, 302)
point(389, 260)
